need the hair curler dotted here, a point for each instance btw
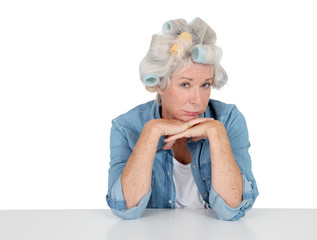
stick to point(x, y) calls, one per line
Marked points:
point(150, 80)
point(206, 54)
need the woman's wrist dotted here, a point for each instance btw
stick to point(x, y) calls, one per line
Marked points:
point(213, 127)
point(153, 127)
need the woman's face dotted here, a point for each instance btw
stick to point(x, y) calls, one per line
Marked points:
point(187, 95)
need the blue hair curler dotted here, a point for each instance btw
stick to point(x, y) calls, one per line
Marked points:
point(167, 26)
point(150, 80)
point(193, 21)
point(197, 54)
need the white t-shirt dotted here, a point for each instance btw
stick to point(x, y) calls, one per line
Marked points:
point(187, 193)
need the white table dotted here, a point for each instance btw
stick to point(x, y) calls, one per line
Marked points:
point(162, 224)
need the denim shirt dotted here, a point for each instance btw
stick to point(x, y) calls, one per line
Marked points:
point(125, 132)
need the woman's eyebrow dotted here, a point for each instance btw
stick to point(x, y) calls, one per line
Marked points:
point(190, 79)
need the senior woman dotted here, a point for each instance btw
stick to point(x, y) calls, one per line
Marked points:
point(183, 150)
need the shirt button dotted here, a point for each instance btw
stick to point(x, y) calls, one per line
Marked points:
point(205, 194)
point(168, 173)
point(194, 166)
point(170, 201)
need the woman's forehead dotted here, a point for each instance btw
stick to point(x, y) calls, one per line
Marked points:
point(194, 70)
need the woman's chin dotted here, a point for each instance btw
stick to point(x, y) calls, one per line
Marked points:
point(187, 118)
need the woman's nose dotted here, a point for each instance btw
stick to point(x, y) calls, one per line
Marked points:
point(195, 96)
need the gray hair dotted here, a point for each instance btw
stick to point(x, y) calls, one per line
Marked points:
point(175, 47)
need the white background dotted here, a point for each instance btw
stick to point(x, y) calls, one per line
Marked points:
point(68, 67)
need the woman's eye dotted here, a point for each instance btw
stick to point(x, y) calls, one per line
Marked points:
point(185, 85)
point(206, 85)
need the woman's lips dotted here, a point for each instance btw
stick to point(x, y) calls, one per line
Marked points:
point(192, 113)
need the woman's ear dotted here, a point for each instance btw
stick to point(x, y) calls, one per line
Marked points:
point(159, 90)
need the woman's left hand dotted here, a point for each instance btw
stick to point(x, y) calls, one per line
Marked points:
point(197, 132)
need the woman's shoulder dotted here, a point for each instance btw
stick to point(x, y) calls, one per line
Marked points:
point(227, 113)
point(136, 117)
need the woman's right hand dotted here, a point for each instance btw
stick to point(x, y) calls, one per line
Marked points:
point(169, 127)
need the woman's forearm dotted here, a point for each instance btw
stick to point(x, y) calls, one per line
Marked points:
point(226, 177)
point(137, 174)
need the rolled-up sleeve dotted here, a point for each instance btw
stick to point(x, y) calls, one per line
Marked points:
point(120, 151)
point(239, 140)
point(224, 211)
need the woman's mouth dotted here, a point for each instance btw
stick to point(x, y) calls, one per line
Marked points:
point(192, 113)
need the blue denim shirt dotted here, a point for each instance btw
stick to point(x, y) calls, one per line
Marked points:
point(125, 132)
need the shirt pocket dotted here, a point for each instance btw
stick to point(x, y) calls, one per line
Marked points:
point(205, 173)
